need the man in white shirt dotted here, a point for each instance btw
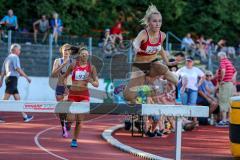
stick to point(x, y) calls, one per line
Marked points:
point(11, 70)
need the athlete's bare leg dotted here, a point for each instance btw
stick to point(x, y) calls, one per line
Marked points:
point(158, 69)
point(137, 79)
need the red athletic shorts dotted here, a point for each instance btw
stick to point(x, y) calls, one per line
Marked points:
point(78, 96)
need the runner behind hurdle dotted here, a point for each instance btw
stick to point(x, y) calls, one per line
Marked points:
point(83, 72)
point(60, 67)
point(11, 69)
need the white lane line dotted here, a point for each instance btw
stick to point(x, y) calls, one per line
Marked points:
point(48, 129)
point(44, 149)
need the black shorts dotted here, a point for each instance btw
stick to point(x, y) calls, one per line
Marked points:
point(11, 85)
point(145, 67)
point(11, 28)
point(60, 90)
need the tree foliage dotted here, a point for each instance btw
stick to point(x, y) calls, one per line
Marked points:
point(212, 18)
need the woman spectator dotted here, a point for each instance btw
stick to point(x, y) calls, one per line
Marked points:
point(201, 46)
point(191, 75)
point(56, 25)
point(206, 93)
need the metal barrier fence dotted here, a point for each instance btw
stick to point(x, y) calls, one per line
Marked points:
point(37, 58)
point(49, 49)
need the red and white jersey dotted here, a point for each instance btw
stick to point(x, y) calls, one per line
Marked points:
point(81, 73)
point(148, 47)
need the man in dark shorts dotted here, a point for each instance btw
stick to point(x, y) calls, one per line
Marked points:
point(11, 69)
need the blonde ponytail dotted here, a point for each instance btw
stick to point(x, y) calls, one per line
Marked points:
point(152, 9)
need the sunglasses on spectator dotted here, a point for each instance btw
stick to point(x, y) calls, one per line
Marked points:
point(208, 75)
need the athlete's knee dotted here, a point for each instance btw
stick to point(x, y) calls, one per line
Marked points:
point(171, 77)
point(160, 68)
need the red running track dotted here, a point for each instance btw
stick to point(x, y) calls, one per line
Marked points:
point(17, 139)
point(203, 143)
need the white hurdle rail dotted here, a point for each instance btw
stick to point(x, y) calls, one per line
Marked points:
point(178, 111)
point(44, 106)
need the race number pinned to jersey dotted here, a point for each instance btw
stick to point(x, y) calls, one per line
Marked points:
point(81, 75)
point(153, 49)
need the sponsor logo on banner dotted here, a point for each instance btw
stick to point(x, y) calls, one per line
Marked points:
point(39, 107)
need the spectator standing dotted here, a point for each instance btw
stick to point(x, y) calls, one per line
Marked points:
point(191, 73)
point(226, 75)
point(190, 77)
point(201, 46)
point(116, 32)
point(42, 26)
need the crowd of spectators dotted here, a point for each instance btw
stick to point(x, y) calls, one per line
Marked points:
point(44, 26)
point(196, 86)
point(198, 46)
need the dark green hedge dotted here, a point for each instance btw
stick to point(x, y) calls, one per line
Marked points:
point(213, 18)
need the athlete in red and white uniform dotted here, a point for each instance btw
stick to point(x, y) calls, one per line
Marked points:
point(147, 45)
point(82, 73)
point(149, 48)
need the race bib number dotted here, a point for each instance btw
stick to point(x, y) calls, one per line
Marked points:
point(81, 75)
point(153, 49)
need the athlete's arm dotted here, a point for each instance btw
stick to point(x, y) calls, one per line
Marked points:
point(22, 73)
point(138, 40)
point(94, 78)
point(1, 79)
point(69, 70)
point(3, 73)
point(57, 68)
point(164, 54)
